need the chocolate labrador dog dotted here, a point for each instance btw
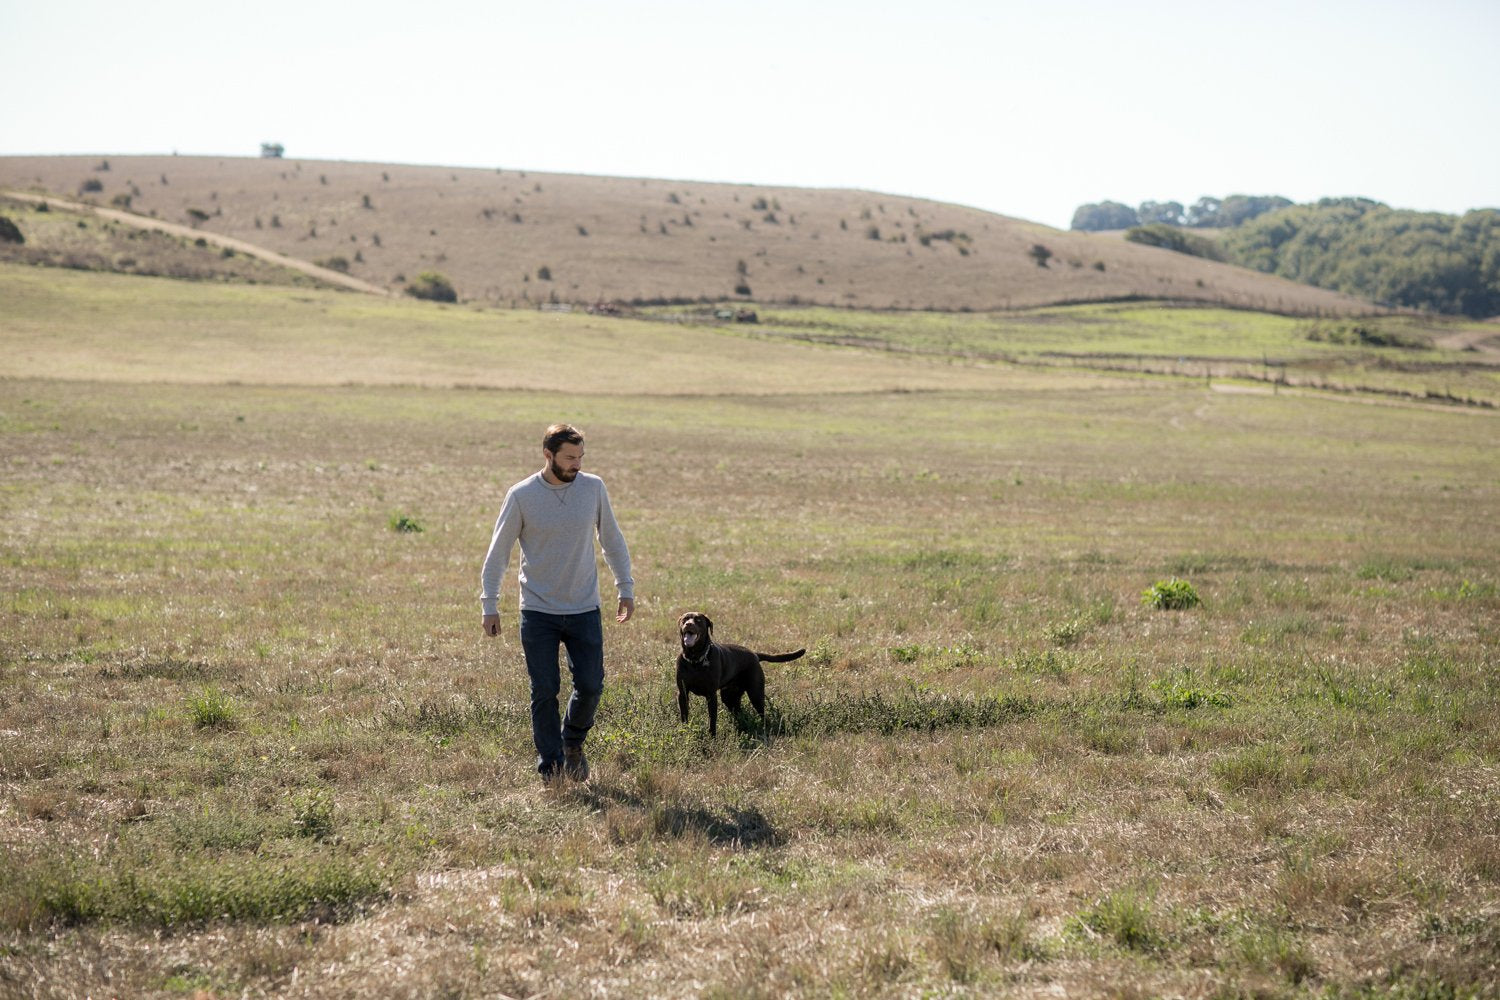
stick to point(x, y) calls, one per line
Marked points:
point(711, 668)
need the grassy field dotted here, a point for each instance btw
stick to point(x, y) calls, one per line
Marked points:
point(253, 743)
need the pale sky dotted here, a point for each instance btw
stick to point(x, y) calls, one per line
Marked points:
point(1024, 108)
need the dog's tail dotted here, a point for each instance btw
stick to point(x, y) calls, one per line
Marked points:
point(779, 657)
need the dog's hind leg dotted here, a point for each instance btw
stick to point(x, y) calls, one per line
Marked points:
point(756, 688)
point(731, 695)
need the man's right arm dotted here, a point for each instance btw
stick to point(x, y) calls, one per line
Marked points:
point(507, 531)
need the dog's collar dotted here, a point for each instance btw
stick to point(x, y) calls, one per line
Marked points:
point(702, 659)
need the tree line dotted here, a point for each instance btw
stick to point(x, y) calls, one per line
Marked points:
point(1205, 213)
point(1396, 257)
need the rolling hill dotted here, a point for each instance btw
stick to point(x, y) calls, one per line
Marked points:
point(513, 237)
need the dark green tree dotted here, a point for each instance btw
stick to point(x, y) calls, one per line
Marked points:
point(1104, 215)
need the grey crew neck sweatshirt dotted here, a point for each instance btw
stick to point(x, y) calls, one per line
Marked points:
point(556, 526)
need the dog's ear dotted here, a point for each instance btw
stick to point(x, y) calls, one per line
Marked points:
point(707, 623)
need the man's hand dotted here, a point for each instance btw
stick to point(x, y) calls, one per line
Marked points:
point(491, 624)
point(627, 608)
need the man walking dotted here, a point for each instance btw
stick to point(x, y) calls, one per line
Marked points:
point(556, 514)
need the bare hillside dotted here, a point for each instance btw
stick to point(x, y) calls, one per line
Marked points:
point(517, 237)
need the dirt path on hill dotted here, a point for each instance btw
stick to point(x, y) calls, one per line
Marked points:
point(325, 274)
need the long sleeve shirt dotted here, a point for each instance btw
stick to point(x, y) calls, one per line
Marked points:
point(556, 526)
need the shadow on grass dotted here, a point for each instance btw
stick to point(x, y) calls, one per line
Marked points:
point(735, 827)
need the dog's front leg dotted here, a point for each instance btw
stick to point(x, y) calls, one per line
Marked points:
point(713, 716)
point(682, 701)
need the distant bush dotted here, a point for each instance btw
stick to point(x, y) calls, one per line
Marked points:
point(1366, 334)
point(1168, 237)
point(10, 232)
point(336, 264)
point(91, 186)
point(544, 273)
point(197, 215)
point(1040, 254)
point(742, 289)
point(434, 287)
point(121, 201)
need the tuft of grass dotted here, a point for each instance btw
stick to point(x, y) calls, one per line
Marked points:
point(1124, 918)
point(211, 709)
point(1068, 631)
point(312, 815)
point(964, 944)
point(405, 524)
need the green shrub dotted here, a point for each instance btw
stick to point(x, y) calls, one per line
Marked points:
point(1170, 595)
point(402, 524)
point(10, 232)
point(432, 286)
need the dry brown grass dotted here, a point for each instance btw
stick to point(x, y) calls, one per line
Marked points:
point(493, 231)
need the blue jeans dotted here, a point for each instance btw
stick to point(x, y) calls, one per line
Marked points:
point(583, 638)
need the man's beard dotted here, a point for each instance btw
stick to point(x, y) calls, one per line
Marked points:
point(562, 475)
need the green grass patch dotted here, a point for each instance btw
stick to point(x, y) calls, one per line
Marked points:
point(192, 890)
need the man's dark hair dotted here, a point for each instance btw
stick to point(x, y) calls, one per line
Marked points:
point(560, 434)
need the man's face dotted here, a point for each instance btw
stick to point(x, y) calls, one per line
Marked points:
point(565, 462)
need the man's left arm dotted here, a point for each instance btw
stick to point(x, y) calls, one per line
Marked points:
point(616, 556)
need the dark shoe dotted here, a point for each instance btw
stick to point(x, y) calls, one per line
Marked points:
point(575, 764)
